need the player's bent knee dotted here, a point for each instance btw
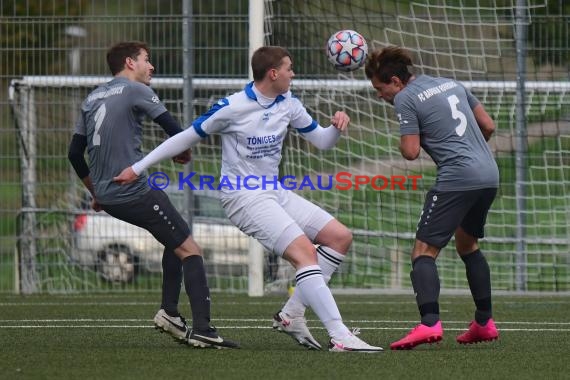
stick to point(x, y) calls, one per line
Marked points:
point(336, 236)
point(465, 249)
point(464, 242)
point(422, 248)
point(301, 252)
point(188, 248)
point(346, 235)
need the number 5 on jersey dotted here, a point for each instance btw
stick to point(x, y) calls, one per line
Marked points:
point(99, 116)
point(456, 114)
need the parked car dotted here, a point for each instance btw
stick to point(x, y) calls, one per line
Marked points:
point(119, 250)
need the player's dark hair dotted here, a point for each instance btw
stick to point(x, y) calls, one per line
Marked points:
point(392, 61)
point(266, 58)
point(118, 53)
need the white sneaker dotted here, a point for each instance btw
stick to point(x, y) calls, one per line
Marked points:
point(296, 328)
point(175, 326)
point(352, 343)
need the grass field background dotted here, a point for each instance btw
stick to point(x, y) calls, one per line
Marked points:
point(112, 337)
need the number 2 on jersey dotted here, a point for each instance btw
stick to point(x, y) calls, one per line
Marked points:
point(99, 116)
point(456, 114)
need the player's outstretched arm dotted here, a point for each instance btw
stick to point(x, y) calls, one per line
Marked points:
point(169, 124)
point(168, 149)
point(326, 138)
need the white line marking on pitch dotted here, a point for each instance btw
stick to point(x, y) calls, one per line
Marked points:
point(246, 302)
point(350, 321)
point(240, 328)
point(72, 323)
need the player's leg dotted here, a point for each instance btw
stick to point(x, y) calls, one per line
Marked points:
point(260, 215)
point(198, 292)
point(314, 292)
point(315, 222)
point(196, 286)
point(477, 272)
point(168, 318)
point(147, 212)
point(171, 282)
point(425, 281)
point(155, 213)
point(441, 214)
point(168, 227)
point(332, 237)
point(482, 328)
point(311, 287)
point(426, 286)
point(334, 241)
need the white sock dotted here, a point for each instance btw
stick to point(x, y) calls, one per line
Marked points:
point(314, 292)
point(329, 260)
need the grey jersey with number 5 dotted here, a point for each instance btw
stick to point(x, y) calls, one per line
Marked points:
point(440, 111)
point(111, 118)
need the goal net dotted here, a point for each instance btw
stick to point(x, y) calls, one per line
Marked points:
point(382, 221)
point(527, 235)
point(487, 45)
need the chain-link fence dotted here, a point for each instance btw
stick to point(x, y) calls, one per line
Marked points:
point(50, 50)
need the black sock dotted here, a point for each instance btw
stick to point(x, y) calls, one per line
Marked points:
point(479, 278)
point(171, 282)
point(198, 292)
point(425, 281)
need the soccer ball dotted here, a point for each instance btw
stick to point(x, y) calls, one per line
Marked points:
point(347, 50)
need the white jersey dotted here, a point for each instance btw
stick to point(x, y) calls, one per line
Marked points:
point(252, 133)
point(252, 129)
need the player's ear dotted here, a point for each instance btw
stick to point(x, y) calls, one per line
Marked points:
point(397, 82)
point(129, 63)
point(273, 74)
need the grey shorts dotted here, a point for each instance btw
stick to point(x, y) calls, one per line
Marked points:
point(154, 212)
point(444, 211)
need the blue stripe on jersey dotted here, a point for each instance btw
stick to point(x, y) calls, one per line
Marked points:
point(250, 94)
point(249, 91)
point(197, 124)
point(308, 129)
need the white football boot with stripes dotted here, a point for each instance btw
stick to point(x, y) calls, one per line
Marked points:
point(351, 343)
point(295, 327)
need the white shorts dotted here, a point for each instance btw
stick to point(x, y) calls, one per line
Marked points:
point(274, 217)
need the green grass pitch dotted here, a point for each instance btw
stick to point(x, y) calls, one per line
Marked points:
point(112, 337)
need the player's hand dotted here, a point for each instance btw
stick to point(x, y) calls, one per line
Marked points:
point(127, 176)
point(184, 157)
point(95, 205)
point(340, 121)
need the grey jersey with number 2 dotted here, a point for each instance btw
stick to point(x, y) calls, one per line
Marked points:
point(440, 111)
point(111, 118)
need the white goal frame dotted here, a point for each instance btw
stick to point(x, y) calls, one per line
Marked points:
point(21, 92)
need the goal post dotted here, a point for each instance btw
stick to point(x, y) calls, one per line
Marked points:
point(382, 221)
